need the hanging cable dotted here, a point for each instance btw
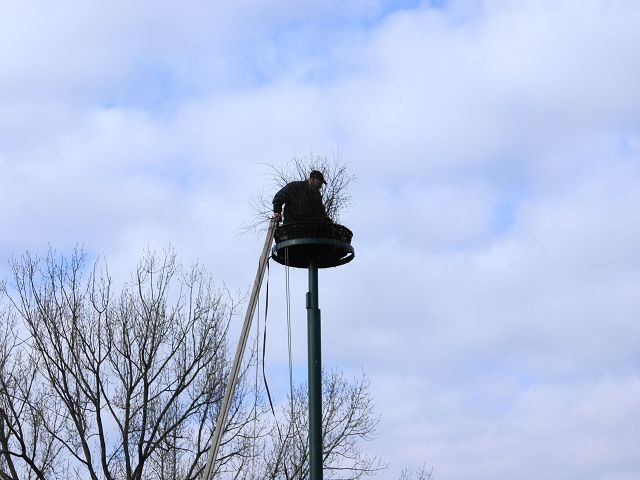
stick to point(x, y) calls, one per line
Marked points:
point(266, 384)
point(288, 294)
point(292, 423)
point(291, 427)
point(264, 345)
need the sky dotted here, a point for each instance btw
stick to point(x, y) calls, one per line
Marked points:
point(493, 300)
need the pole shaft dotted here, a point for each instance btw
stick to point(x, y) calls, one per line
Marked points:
point(315, 376)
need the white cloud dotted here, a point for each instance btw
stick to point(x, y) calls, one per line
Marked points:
point(496, 144)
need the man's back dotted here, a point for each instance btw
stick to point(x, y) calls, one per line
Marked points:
point(301, 203)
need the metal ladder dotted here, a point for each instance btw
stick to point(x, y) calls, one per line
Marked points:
point(242, 343)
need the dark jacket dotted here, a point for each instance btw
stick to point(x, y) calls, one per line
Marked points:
point(302, 203)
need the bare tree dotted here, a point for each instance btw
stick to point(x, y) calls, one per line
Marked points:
point(335, 194)
point(348, 419)
point(100, 385)
point(420, 474)
point(107, 386)
point(27, 449)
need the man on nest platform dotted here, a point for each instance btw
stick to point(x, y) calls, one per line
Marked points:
point(302, 201)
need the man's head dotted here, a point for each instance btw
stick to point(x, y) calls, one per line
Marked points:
point(316, 179)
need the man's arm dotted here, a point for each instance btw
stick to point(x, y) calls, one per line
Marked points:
point(280, 198)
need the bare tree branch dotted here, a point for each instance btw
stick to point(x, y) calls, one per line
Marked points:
point(127, 385)
point(335, 194)
point(348, 419)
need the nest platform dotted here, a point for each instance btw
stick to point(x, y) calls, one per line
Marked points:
point(323, 245)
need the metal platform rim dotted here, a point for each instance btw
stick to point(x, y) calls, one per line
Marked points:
point(294, 242)
point(313, 241)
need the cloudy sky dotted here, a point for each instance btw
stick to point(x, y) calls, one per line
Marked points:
point(493, 302)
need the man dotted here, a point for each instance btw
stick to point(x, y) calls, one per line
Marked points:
point(302, 201)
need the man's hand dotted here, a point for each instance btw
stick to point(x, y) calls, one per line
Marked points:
point(276, 217)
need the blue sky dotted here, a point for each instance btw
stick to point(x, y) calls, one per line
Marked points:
point(497, 150)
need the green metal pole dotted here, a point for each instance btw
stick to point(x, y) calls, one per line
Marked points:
point(315, 375)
